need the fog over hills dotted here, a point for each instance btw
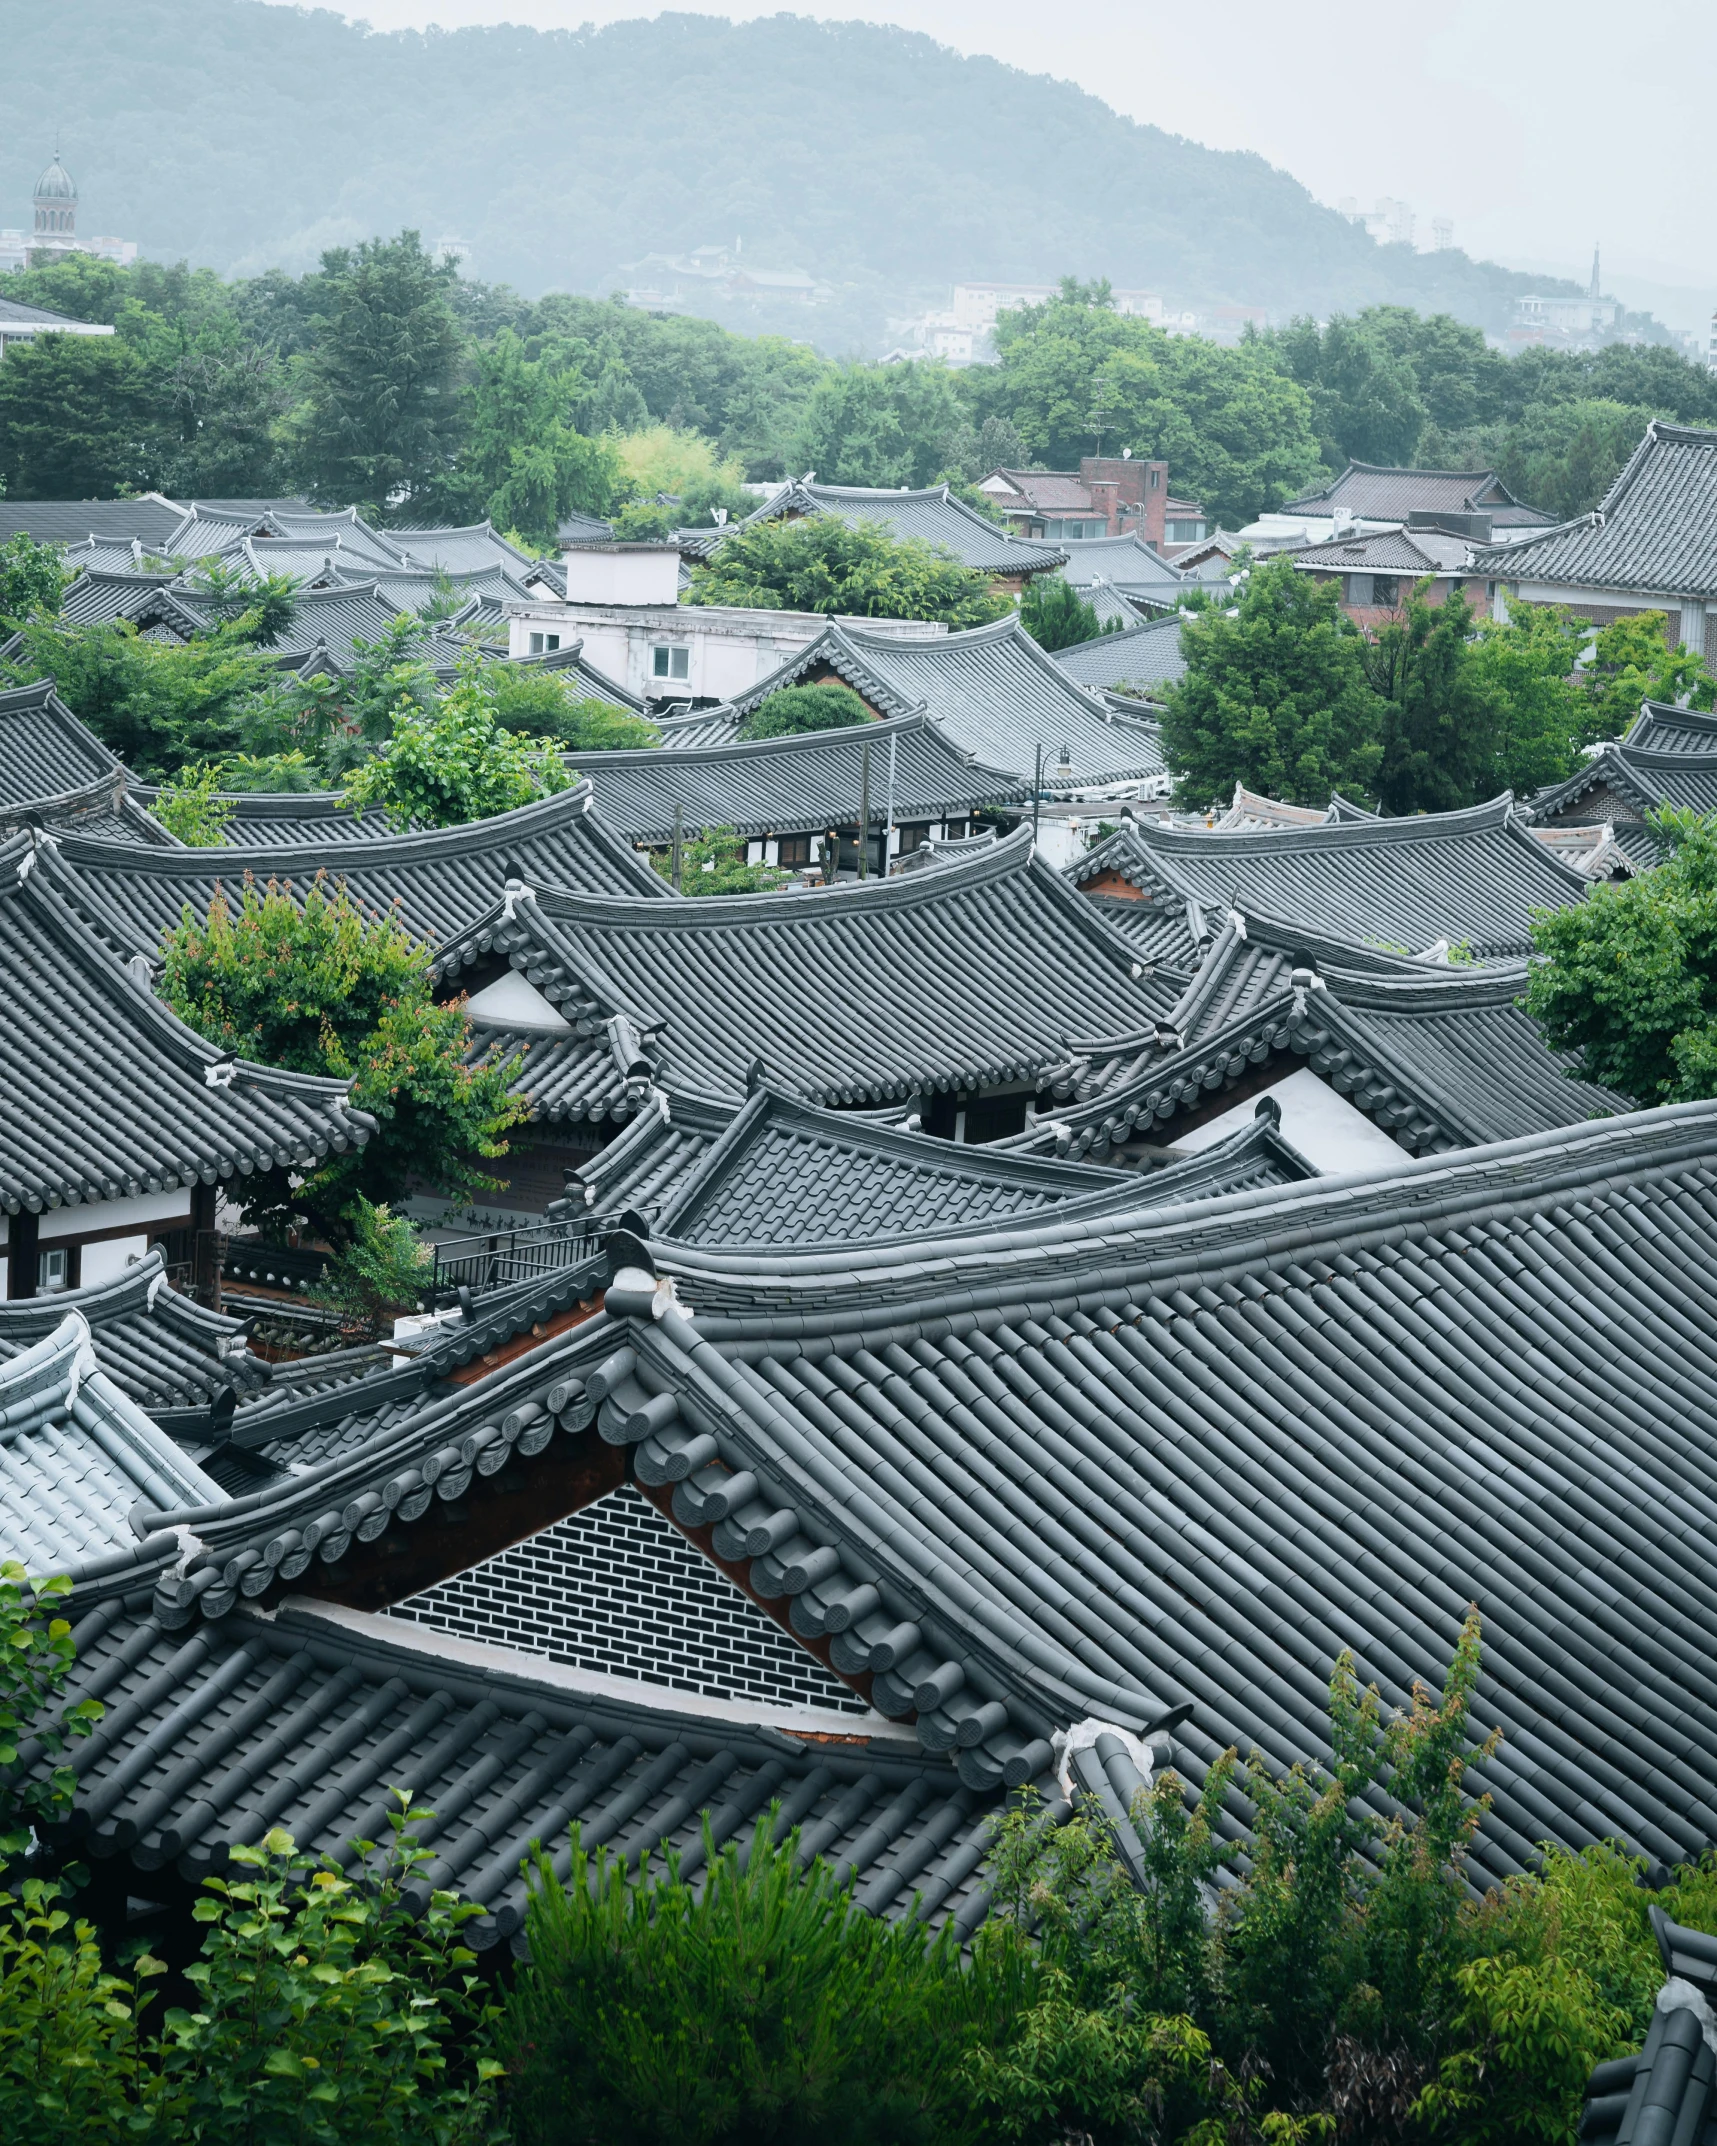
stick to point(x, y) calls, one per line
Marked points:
point(248, 136)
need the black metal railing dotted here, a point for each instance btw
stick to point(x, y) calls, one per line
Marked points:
point(492, 1259)
point(275, 1266)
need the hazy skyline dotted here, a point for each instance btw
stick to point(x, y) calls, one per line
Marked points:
point(1505, 120)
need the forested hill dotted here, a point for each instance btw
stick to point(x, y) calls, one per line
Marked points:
point(236, 134)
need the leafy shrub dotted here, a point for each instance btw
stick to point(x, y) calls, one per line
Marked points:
point(765, 2008)
point(798, 709)
point(192, 807)
point(1057, 616)
point(823, 564)
point(382, 1268)
point(713, 862)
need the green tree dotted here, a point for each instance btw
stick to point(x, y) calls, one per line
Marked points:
point(1440, 723)
point(1364, 395)
point(1526, 667)
point(536, 702)
point(382, 1269)
point(159, 705)
point(317, 987)
point(712, 861)
point(381, 422)
point(81, 417)
point(820, 563)
point(33, 577)
point(523, 464)
point(1057, 616)
point(1628, 977)
point(1275, 697)
point(796, 709)
point(1632, 662)
point(881, 425)
point(192, 808)
point(453, 762)
point(36, 1656)
point(1236, 432)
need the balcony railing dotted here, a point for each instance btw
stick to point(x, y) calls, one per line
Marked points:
point(493, 1259)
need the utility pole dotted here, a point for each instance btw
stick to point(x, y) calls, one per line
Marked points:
point(864, 807)
point(678, 865)
point(1036, 793)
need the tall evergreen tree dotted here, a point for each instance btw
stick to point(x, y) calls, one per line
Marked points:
point(382, 418)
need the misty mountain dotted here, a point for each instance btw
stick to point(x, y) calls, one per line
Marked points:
point(245, 136)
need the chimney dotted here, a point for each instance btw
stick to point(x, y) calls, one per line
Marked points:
point(1133, 493)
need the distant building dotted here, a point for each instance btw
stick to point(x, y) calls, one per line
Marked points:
point(666, 280)
point(1376, 572)
point(54, 213)
point(1539, 319)
point(1108, 496)
point(1369, 496)
point(22, 324)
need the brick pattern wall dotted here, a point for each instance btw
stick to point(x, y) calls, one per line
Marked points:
point(617, 1588)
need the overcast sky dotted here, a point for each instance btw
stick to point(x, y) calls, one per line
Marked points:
point(1538, 126)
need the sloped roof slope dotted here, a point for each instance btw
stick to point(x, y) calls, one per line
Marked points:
point(1377, 493)
point(1623, 782)
point(305, 1720)
point(933, 516)
point(439, 880)
point(76, 1455)
point(1655, 530)
point(162, 1350)
point(1662, 728)
point(1126, 563)
point(1471, 877)
point(1667, 2090)
point(1147, 655)
point(45, 751)
point(1184, 1459)
point(991, 689)
point(963, 977)
point(787, 785)
point(109, 1095)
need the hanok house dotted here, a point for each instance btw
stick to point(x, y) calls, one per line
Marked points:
point(121, 1124)
point(1650, 545)
point(1107, 496)
point(990, 690)
point(1221, 1440)
point(947, 992)
point(1368, 497)
point(933, 515)
point(1376, 573)
point(798, 801)
point(1668, 756)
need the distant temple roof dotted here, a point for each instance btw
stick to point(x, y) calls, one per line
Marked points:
point(933, 515)
point(1373, 492)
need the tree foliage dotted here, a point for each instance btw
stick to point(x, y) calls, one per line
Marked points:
point(820, 563)
point(33, 577)
point(315, 986)
point(1056, 616)
point(453, 762)
point(1628, 977)
point(797, 709)
point(1275, 697)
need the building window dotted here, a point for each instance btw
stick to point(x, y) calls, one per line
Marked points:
point(666, 662)
point(1185, 532)
point(544, 643)
point(957, 830)
point(914, 837)
point(1383, 590)
point(1079, 530)
point(53, 1270)
point(794, 850)
point(1156, 478)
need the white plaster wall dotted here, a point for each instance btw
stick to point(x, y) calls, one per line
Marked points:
point(107, 1259)
point(150, 1207)
point(1326, 1128)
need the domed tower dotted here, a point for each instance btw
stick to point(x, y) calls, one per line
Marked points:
point(56, 204)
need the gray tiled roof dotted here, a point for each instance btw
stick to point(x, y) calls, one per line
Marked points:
point(1661, 728)
point(44, 750)
point(1654, 532)
point(653, 1153)
point(793, 784)
point(1471, 877)
point(162, 1350)
point(963, 977)
point(788, 1174)
point(69, 521)
point(268, 818)
point(1389, 551)
point(1184, 1458)
point(306, 1720)
point(1622, 782)
point(439, 880)
point(1147, 655)
point(1667, 2090)
point(1379, 494)
point(1440, 1057)
point(77, 1455)
point(934, 516)
point(991, 689)
point(108, 1094)
point(1126, 563)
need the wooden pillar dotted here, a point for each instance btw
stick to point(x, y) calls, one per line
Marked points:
point(23, 1248)
point(205, 1246)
